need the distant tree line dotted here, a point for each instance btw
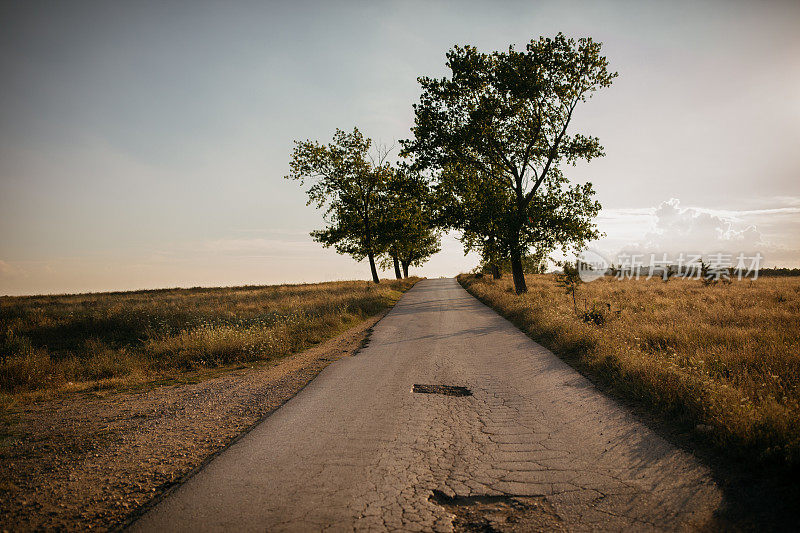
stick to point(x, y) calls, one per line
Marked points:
point(487, 158)
point(779, 272)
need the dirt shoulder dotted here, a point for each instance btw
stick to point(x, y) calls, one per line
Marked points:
point(85, 462)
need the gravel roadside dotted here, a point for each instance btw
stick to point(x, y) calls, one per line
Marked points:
point(82, 462)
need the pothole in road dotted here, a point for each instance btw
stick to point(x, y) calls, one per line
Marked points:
point(447, 390)
point(499, 513)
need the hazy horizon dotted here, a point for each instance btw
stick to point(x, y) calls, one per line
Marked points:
point(143, 145)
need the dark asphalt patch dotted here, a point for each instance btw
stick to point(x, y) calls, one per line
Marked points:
point(447, 390)
point(499, 513)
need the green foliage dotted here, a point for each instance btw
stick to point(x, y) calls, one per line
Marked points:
point(531, 264)
point(408, 230)
point(499, 125)
point(475, 205)
point(371, 207)
point(347, 183)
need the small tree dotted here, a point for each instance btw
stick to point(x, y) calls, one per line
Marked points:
point(347, 182)
point(570, 279)
point(426, 244)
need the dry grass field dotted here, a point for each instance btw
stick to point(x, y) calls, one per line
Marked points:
point(724, 360)
point(108, 340)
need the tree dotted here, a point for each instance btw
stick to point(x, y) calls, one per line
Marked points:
point(426, 243)
point(408, 230)
point(483, 211)
point(347, 182)
point(534, 263)
point(474, 205)
point(506, 115)
point(570, 280)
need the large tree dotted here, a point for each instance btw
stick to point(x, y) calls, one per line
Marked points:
point(408, 230)
point(347, 180)
point(506, 115)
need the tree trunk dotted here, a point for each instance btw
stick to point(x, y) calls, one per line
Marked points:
point(496, 274)
point(397, 267)
point(405, 268)
point(519, 275)
point(372, 267)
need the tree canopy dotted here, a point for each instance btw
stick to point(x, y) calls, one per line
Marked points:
point(371, 207)
point(504, 117)
point(490, 146)
point(408, 229)
point(346, 183)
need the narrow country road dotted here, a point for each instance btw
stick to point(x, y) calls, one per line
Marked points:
point(357, 449)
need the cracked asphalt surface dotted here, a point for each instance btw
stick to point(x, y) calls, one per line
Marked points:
point(358, 450)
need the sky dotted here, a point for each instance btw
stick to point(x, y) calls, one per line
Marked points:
point(145, 144)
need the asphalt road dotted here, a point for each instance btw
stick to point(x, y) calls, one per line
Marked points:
point(358, 449)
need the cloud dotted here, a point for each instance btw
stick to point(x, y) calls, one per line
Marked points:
point(672, 228)
point(688, 229)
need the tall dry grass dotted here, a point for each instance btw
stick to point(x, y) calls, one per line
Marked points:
point(724, 359)
point(49, 341)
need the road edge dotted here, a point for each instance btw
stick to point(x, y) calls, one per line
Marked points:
point(143, 509)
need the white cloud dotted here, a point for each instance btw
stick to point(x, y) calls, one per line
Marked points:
point(673, 228)
point(684, 229)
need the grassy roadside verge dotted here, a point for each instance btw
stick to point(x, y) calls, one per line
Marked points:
point(114, 340)
point(97, 461)
point(722, 361)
